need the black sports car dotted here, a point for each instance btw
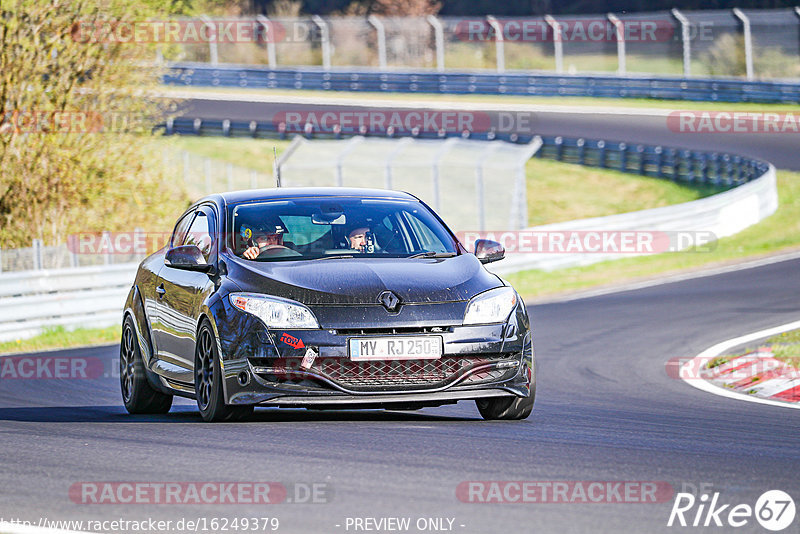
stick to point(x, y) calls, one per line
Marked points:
point(323, 298)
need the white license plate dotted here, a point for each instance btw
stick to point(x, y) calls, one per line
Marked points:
point(396, 348)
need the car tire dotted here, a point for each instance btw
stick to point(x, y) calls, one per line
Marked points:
point(208, 381)
point(138, 395)
point(508, 408)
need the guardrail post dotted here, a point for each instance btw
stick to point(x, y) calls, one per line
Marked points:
point(37, 255)
point(270, 37)
point(559, 141)
point(623, 157)
point(381, 34)
point(748, 41)
point(499, 43)
point(620, 31)
point(558, 44)
point(212, 40)
point(601, 156)
point(438, 33)
point(581, 143)
point(686, 38)
point(1, 260)
point(326, 41)
point(659, 161)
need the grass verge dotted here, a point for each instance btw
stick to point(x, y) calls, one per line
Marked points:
point(779, 232)
point(61, 338)
point(556, 191)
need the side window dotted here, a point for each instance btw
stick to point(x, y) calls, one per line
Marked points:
point(200, 233)
point(179, 235)
point(428, 240)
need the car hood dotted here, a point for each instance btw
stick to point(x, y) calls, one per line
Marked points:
point(360, 281)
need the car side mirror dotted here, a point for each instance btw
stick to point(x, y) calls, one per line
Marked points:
point(187, 257)
point(488, 251)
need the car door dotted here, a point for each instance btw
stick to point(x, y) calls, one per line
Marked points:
point(180, 297)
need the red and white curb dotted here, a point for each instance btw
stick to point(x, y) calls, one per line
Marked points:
point(754, 377)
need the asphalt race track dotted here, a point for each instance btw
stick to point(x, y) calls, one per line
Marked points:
point(606, 410)
point(778, 149)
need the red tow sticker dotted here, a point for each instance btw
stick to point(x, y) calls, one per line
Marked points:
point(292, 341)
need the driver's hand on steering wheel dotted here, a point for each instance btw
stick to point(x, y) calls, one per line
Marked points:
point(251, 253)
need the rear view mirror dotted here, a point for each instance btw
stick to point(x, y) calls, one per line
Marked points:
point(488, 251)
point(187, 257)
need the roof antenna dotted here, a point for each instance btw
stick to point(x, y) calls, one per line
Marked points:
point(276, 170)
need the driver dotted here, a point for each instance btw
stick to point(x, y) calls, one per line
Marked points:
point(358, 239)
point(262, 238)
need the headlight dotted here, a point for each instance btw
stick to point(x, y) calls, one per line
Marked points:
point(493, 306)
point(275, 312)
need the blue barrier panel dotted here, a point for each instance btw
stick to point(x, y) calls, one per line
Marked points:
point(309, 78)
point(680, 165)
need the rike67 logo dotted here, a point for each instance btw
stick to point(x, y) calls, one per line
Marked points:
point(774, 510)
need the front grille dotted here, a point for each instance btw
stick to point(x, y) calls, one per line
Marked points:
point(386, 375)
point(400, 330)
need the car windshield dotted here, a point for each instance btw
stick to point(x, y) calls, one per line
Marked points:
point(319, 228)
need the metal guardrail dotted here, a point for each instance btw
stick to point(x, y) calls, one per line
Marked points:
point(519, 84)
point(31, 301)
point(677, 164)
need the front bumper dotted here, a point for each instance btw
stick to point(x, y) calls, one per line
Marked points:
point(267, 367)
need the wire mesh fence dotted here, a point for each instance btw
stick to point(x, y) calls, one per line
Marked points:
point(751, 43)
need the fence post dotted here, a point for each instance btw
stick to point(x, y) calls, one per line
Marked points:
point(399, 147)
point(437, 159)
point(212, 41)
point(620, 30)
point(186, 167)
point(1, 260)
point(558, 43)
point(270, 37)
point(748, 41)
point(37, 255)
point(326, 41)
point(349, 147)
point(438, 33)
point(107, 254)
point(686, 38)
point(381, 34)
point(498, 43)
point(207, 173)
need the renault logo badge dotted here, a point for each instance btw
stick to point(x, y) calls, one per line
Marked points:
point(389, 300)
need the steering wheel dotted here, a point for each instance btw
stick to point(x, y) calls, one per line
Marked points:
point(277, 251)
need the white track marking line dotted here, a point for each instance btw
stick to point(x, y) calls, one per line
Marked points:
point(412, 104)
point(698, 362)
point(680, 277)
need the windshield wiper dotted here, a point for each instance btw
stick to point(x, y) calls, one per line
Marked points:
point(431, 254)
